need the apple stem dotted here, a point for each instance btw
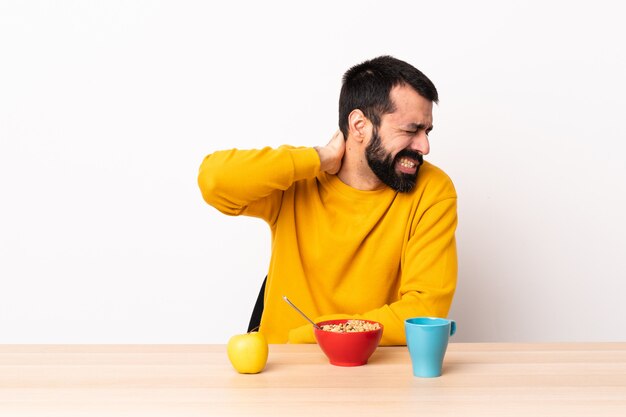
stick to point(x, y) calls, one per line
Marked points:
point(256, 329)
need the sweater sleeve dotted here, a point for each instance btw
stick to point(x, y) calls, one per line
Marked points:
point(428, 277)
point(251, 182)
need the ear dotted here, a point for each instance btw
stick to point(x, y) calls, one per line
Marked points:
point(357, 125)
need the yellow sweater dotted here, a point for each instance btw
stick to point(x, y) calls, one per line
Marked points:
point(338, 252)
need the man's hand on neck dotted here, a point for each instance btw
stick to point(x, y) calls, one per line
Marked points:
point(331, 155)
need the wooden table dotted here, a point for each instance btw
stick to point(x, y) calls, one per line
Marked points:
point(580, 379)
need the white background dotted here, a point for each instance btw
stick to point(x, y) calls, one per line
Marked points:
point(107, 109)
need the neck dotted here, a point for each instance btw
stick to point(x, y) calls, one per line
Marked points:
point(356, 173)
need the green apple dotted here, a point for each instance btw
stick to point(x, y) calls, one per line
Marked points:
point(248, 352)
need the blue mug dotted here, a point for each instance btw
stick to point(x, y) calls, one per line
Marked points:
point(427, 340)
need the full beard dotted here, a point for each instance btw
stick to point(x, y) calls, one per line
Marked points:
point(384, 166)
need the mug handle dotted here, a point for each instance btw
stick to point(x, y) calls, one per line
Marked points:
point(452, 327)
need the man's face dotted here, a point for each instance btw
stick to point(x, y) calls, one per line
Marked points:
point(383, 164)
point(394, 153)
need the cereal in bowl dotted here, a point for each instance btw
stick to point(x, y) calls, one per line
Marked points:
point(351, 326)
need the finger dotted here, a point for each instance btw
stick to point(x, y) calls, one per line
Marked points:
point(337, 136)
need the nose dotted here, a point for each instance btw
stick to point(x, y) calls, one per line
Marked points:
point(421, 143)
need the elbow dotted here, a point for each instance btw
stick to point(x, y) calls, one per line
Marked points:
point(207, 187)
point(212, 186)
point(208, 182)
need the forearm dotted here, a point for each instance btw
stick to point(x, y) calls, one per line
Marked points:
point(232, 180)
point(392, 316)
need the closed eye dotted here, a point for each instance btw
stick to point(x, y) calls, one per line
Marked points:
point(414, 128)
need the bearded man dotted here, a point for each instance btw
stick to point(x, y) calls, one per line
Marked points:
point(362, 227)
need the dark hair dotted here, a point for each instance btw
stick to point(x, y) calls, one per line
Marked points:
point(366, 86)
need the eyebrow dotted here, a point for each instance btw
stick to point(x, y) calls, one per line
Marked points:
point(418, 126)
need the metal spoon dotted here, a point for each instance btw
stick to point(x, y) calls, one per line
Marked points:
point(299, 311)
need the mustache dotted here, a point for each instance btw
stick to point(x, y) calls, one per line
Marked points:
point(408, 153)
